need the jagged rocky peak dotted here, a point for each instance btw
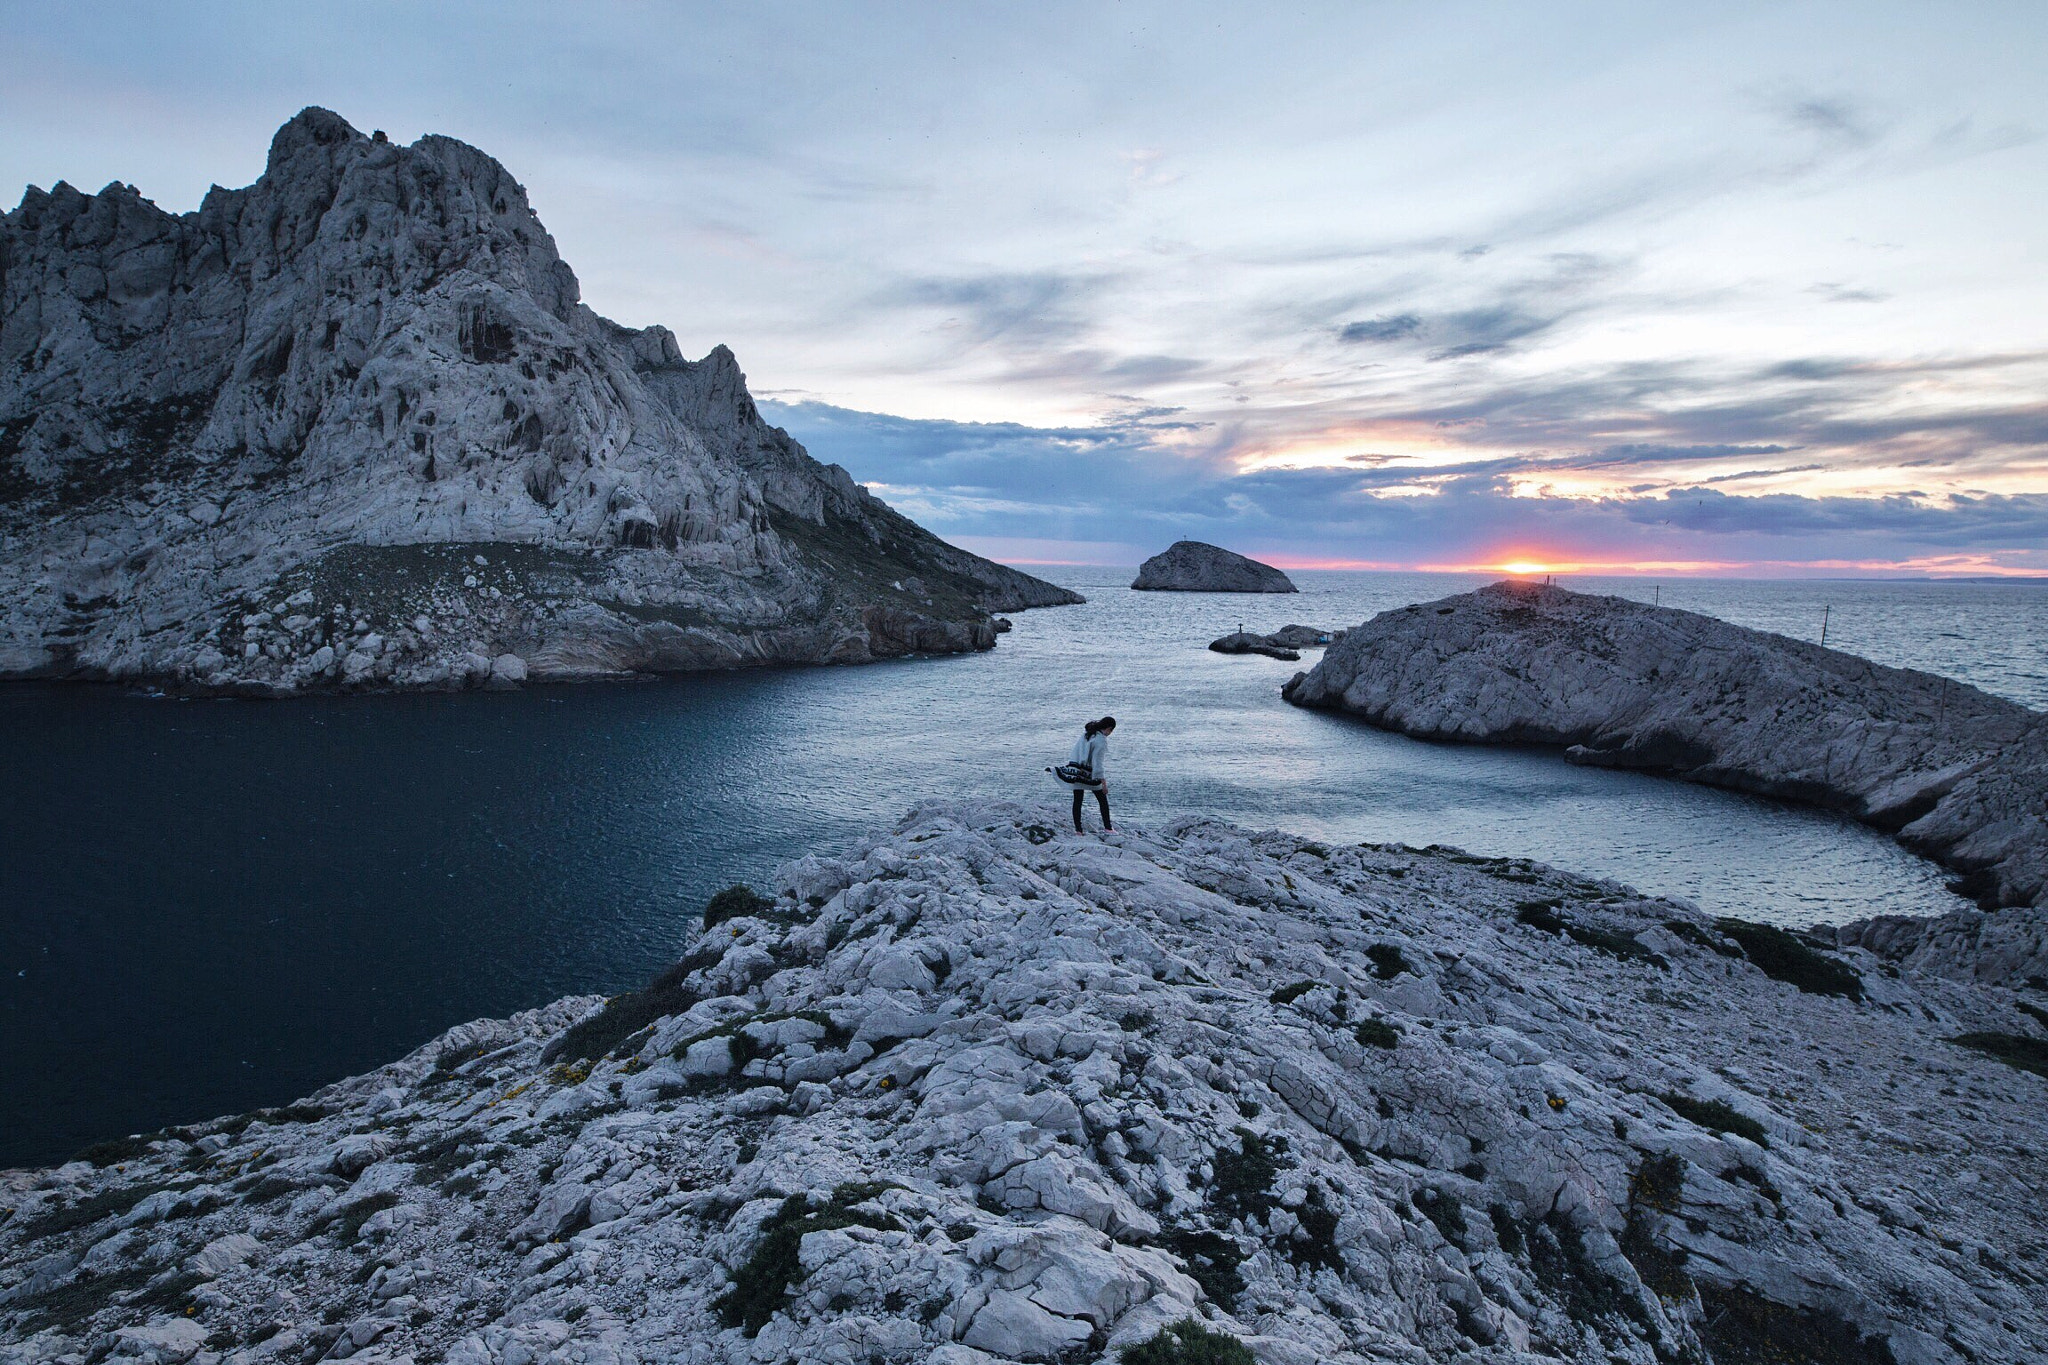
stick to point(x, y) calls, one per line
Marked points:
point(1953, 772)
point(363, 389)
point(1194, 566)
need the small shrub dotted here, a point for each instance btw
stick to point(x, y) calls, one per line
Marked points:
point(115, 1150)
point(1378, 1033)
point(1700, 938)
point(1317, 1244)
point(1387, 962)
point(1506, 1230)
point(85, 1212)
point(1740, 1325)
point(442, 1157)
point(1212, 1260)
point(351, 1219)
point(170, 1293)
point(1540, 915)
point(762, 1284)
point(2014, 1049)
point(1287, 995)
point(1658, 1183)
point(733, 903)
point(1750, 1175)
point(1243, 1187)
point(1717, 1117)
point(1782, 957)
point(1568, 1273)
point(1446, 1211)
point(1615, 945)
point(2039, 1015)
point(72, 1302)
point(625, 1015)
point(1188, 1342)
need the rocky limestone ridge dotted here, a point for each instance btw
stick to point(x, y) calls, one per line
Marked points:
point(1954, 773)
point(984, 1092)
point(1192, 566)
point(350, 426)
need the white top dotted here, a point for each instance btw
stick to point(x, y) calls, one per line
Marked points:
point(1093, 751)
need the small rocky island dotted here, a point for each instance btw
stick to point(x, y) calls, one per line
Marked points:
point(985, 1092)
point(352, 427)
point(1954, 773)
point(1192, 566)
point(1285, 643)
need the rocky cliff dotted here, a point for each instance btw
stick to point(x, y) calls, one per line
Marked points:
point(1192, 566)
point(986, 1092)
point(351, 426)
point(1955, 773)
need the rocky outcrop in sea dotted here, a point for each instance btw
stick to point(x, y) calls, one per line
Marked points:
point(1953, 772)
point(1245, 642)
point(1192, 566)
point(351, 426)
point(1285, 643)
point(983, 1091)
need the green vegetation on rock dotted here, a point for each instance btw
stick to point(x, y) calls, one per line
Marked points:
point(2014, 1049)
point(1782, 957)
point(1717, 1117)
point(1188, 1342)
point(762, 1284)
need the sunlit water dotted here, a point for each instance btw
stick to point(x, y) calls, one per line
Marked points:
point(207, 906)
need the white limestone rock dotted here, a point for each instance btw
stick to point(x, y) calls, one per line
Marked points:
point(1193, 566)
point(1167, 1073)
point(361, 393)
point(1955, 773)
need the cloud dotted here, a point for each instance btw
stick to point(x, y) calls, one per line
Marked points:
point(999, 483)
point(1833, 117)
point(1481, 331)
point(1029, 307)
point(1835, 292)
point(1395, 328)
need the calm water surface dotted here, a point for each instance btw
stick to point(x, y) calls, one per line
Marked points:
point(208, 906)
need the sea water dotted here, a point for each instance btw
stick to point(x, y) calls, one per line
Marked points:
point(207, 906)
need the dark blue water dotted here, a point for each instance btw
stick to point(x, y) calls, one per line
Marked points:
point(209, 906)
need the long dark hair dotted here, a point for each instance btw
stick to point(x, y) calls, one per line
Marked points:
point(1099, 727)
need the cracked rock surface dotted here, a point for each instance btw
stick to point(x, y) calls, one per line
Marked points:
point(351, 427)
point(982, 1091)
point(1952, 772)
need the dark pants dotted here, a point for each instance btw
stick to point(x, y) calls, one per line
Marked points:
point(1101, 799)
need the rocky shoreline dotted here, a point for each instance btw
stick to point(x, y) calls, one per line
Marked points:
point(1953, 773)
point(351, 428)
point(983, 1091)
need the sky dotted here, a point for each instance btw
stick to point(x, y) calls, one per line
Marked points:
point(1753, 289)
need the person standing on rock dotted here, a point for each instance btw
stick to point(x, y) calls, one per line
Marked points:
point(1087, 766)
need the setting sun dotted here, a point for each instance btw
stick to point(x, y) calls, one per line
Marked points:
point(1523, 568)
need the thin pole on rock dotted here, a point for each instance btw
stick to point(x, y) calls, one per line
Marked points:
point(1826, 607)
point(1656, 594)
